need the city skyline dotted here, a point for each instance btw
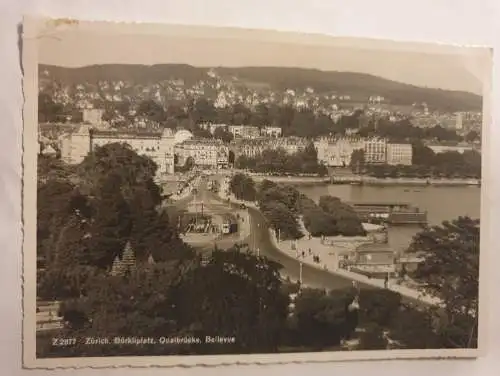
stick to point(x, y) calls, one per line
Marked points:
point(424, 65)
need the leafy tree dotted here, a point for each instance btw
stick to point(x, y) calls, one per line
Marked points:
point(262, 115)
point(372, 338)
point(175, 111)
point(223, 134)
point(201, 133)
point(152, 111)
point(53, 168)
point(48, 110)
point(285, 194)
point(413, 328)
point(472, 163)
point(136, 304)
point(61, 208)
point(344, 217)
point(379, 306)
point(235, 294)
point(472, 136)
point(203, 111)
point(450, 271)
point(130, 170)
point(189, 164)
point(357, 160)
point(230, 157)
point(421, 154)
point(278, 161)
point(442, 134)
point(243, 187)
point(280, 217)
point(155, 234)
point(111, 224)
point(241, 115)
point(321, 319)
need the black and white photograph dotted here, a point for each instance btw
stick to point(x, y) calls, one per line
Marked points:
point(203, 195)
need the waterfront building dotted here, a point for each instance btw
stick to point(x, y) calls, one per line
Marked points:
point(249, 148)
point(159, 146)
point(399, 154)
point(375, 150)
point(271, 131)
point(337, 151)
point(204, 152)
point(292, 144)
point(254, 147)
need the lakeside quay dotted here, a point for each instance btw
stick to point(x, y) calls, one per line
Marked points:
point(329, 257)
point(369, 180)
point(361, 180)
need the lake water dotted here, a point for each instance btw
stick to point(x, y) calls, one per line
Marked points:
point(441, 203)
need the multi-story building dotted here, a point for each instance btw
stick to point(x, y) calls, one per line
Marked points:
point(271, 131)
point(249, 148)
point(399, 154)
point(291, 145)
point(204, 152)
point(244, 131)
point(375, 150)
point(255, 147)
point(337, 151)
point(159, 146)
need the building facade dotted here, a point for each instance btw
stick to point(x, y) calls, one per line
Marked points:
point(271, 132)
point(337, 151)
point(159, 146)
point(244, 131)
point(399, 154)
point(375, 150)
point(204, 152)
point(254, 147)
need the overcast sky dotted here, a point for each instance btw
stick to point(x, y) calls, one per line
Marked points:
point(455, 69)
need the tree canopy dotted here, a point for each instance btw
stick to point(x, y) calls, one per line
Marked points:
point(450, 271)
point(278, 161)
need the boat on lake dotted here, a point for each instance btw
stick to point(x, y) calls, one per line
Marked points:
point(394, 213)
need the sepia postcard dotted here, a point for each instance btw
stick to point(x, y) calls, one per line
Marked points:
point(207, 196)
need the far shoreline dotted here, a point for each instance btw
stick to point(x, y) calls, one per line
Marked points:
point(367, 181)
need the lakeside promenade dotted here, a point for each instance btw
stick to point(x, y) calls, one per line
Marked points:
point(361, 180)
point(329, 257)
point(370, 180)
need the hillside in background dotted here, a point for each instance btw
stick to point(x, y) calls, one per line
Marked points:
point(358, 85)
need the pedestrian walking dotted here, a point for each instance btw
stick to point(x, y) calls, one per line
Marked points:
point(386, 280)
